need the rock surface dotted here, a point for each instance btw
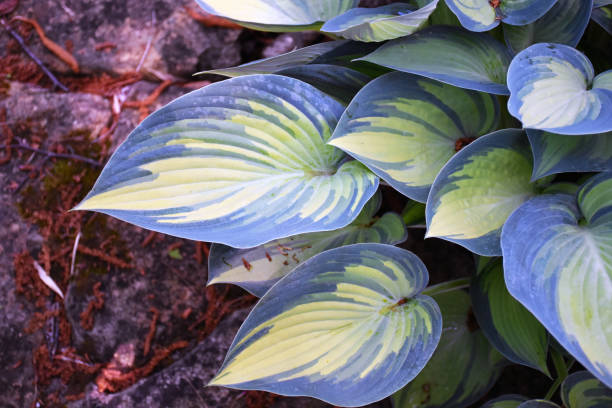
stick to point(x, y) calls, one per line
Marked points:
point(59, 114)
point(111, 36)
point(183, 383)
point(155, 284)
point(17, 373)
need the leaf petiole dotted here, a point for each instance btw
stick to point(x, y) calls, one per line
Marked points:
point(449, 286)
point(561, 369)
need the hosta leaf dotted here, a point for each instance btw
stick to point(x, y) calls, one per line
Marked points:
point(563, 272)
point(414, 214)
point(538, 404)
point(601, 3)
point(463, 367)
point(345, 55)
point(340, 82)
point(555, 153)
point(553, 88)
point(348, 326)
point(563, 24)
point(582, 390)
point(257, 269)
point(481, 15)
point(603, 17)
point(506, 401)
point(271, 65)
point(405, 128)
point(278, 15)
point(380, 23)
point(478, 189)
point(561, 188)
point(240, 162)
point(510, 328)
point(470, 60)
point(443, 16)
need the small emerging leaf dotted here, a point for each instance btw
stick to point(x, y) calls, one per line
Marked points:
point(348, 326)
point(175, 254)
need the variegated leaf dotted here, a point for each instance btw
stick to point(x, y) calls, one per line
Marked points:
point(271, 65)
point(449, 54)
point(601, 3)
point(555, 153)
point(563, 272)
point(405, 128)
point(582, 390)
point(506, 401)
point(239, 162)
point(510, 328)
point(553, 87)
point(483, 15)
point(257, 269)
point(563, 24)
point(478, 189)
point(278, 15)
point(380, 23)
point(348, 326)
point(463, 367)
point(337, 81)
point(346, 54)
point(603, 17)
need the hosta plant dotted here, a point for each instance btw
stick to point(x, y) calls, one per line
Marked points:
point(492, 118)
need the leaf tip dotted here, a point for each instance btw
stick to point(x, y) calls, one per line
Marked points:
point(433, 231)
point(82, 206)
point(216, 382)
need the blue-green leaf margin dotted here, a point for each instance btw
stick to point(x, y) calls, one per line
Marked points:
point(352, 391)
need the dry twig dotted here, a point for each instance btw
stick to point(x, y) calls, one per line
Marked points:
point(210, 20)
point(151, 334)
point(52, 46)
point(38, 62)
point(53, 155)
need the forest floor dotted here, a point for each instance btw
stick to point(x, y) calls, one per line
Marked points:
point(137, 326)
